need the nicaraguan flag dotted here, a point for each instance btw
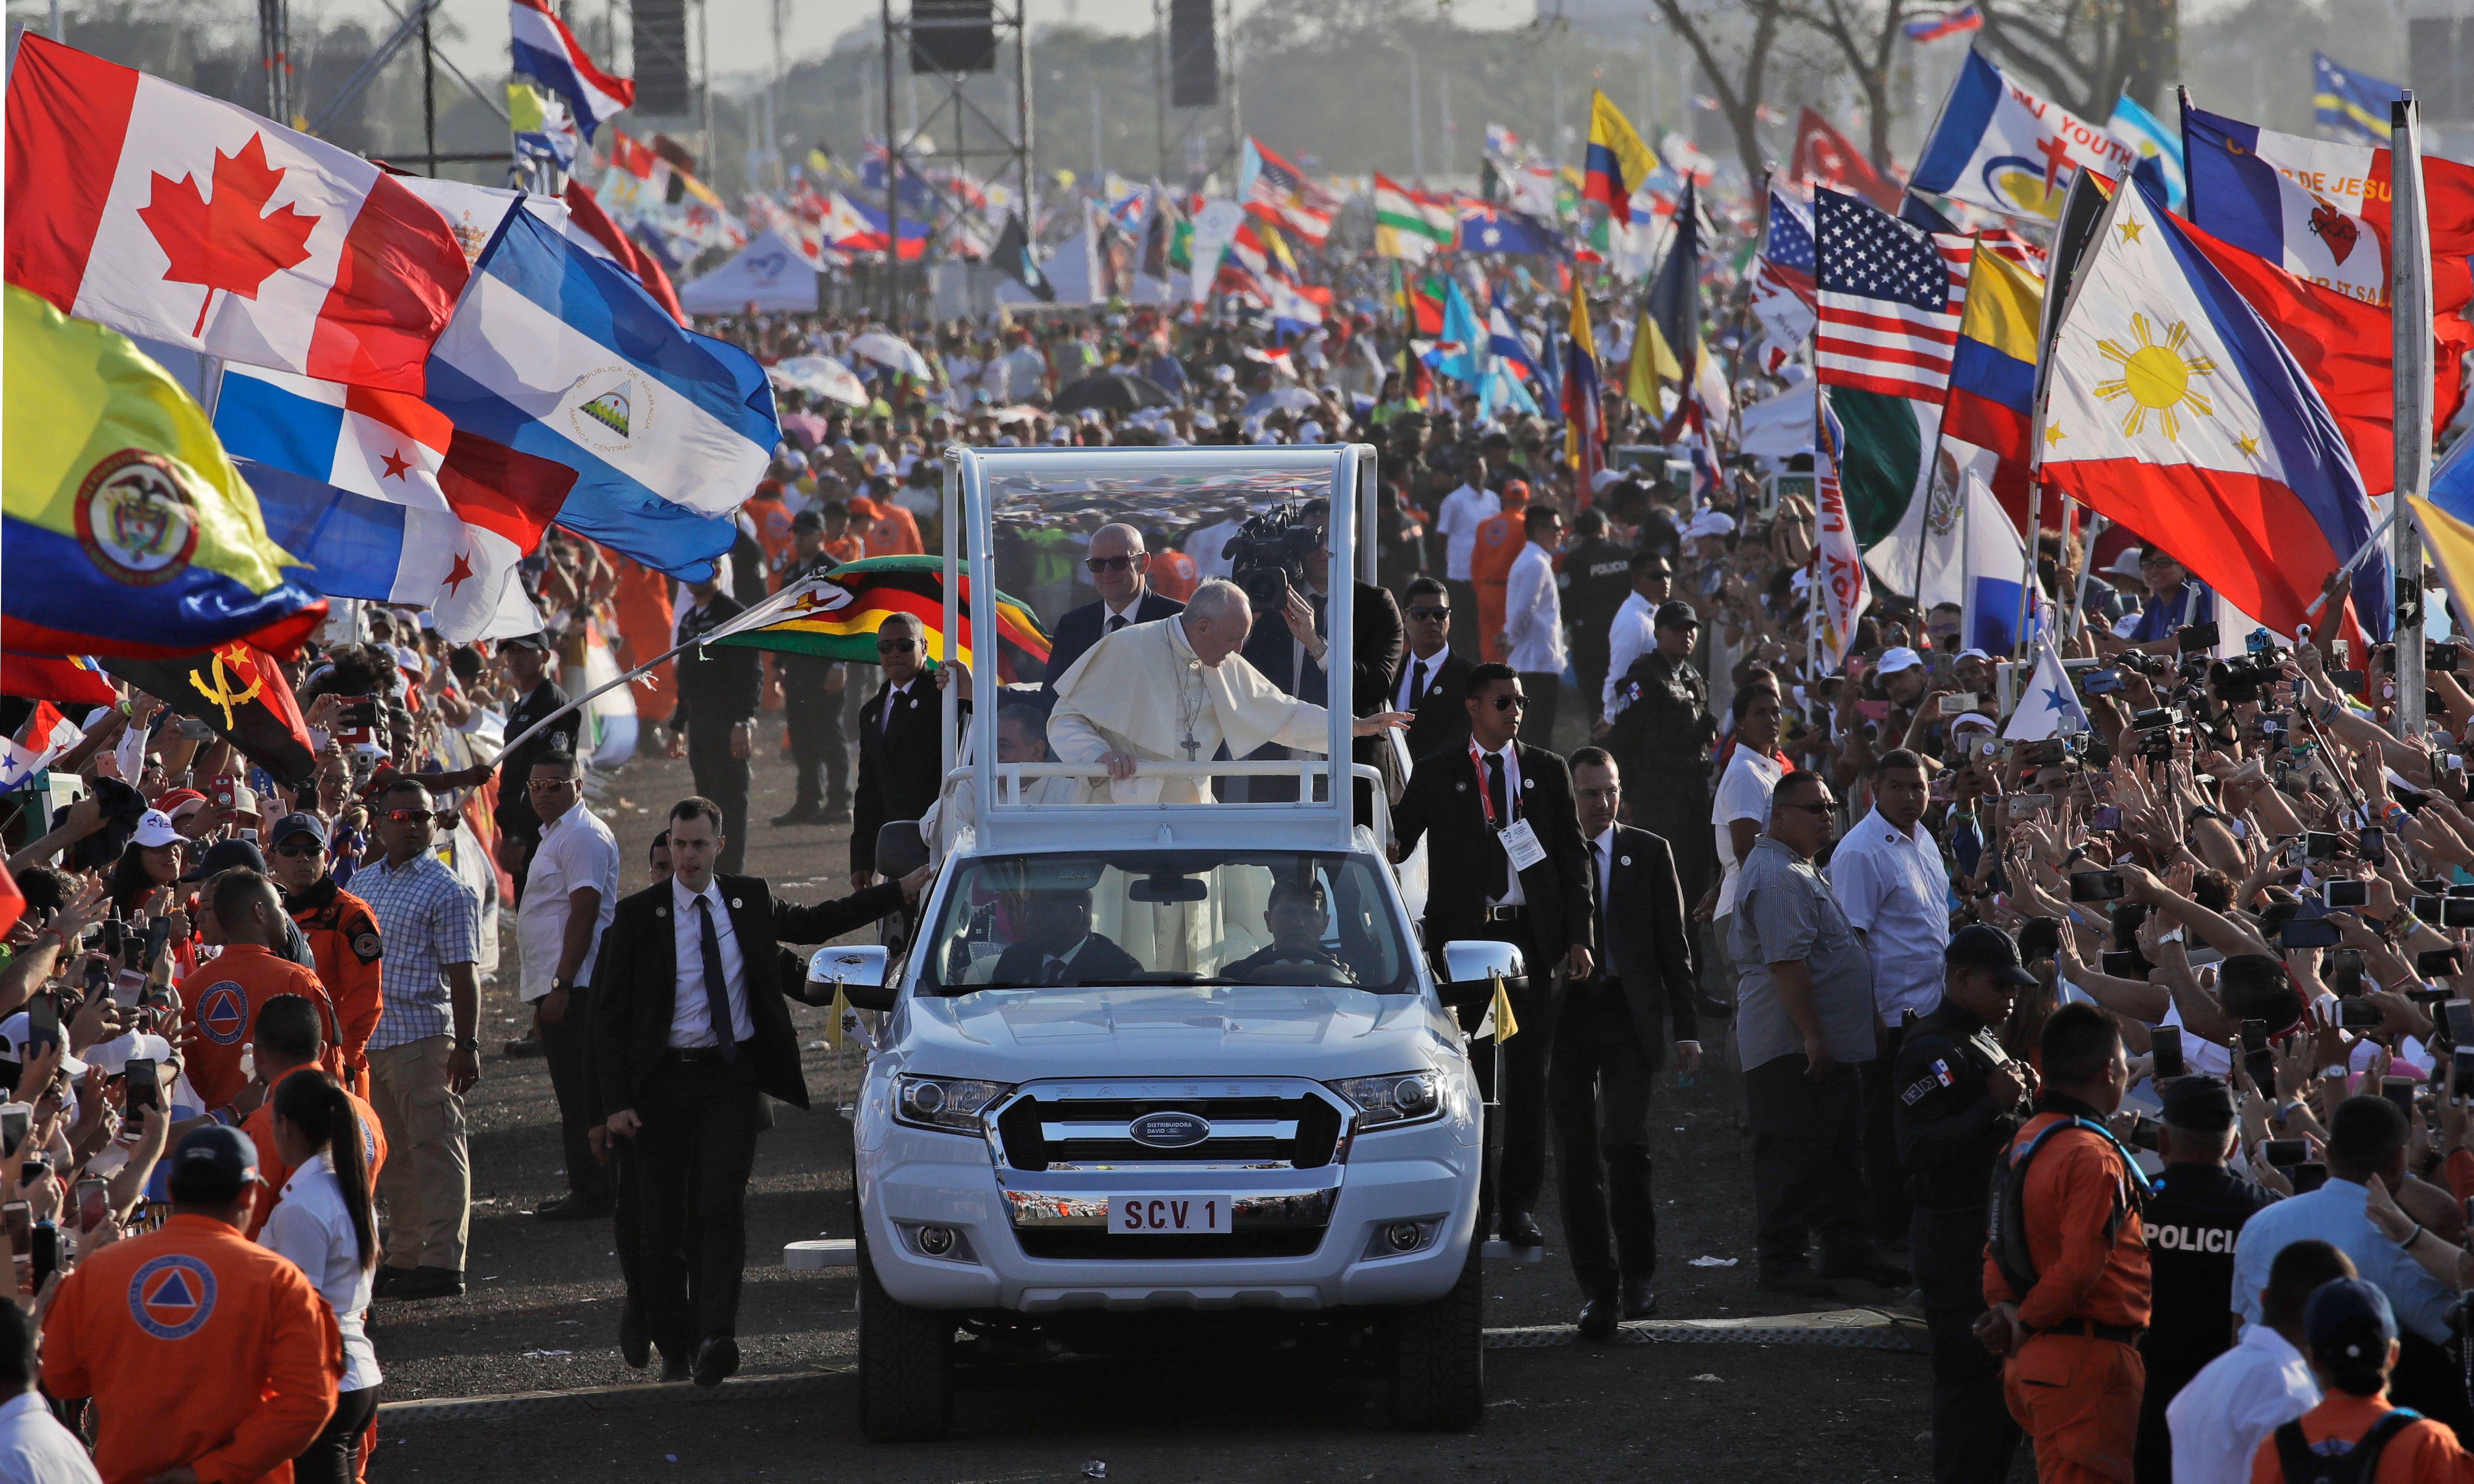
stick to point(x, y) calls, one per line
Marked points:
point(546, 52)
point(561, 354)
point(2351, 107)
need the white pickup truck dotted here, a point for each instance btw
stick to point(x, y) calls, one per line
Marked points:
point(1253, 1101)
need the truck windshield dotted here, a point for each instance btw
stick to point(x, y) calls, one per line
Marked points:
point(1166, 918)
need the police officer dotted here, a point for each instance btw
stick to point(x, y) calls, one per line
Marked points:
point(1662, 737)
point(2193, 1218)
point(1598, 578)
point(1958, 1100)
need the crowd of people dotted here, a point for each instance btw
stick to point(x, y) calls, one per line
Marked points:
point(2166, 1000)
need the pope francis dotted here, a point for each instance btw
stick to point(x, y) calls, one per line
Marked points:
point(1172, 692)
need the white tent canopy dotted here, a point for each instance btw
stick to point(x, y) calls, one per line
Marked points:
point(771, 273)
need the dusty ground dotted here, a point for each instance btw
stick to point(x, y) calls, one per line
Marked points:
point(543, 1314)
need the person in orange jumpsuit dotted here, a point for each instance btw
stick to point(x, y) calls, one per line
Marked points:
point(1174, 575)
point(891, 531)
point(641, 598)
point(1501, 538)
point(287, 1041)
point(343, 937)
point(2352, 1334)
point(841, 543)
point(220, 998)
point(771, 514)
point(2071, 1374)
point(210, 1358)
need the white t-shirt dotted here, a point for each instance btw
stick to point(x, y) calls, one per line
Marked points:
point(1462, 512)
point(1744, 793)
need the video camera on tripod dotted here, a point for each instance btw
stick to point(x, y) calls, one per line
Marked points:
point(1267, 557)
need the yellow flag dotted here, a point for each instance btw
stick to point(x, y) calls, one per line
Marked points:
point(1506, 1024)
point(1653, 361)
point(1617, 160)
point(834, 1018)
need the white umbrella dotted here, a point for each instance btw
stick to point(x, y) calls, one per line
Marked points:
point(820, 376)
point(893, 351)
point(1282, 399)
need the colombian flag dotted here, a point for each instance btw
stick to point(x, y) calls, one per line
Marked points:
point(1993, 370)
point(836, 615)
point(129, 532)
point(1617, 160)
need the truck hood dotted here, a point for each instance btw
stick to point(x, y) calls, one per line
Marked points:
point(1015, 1036)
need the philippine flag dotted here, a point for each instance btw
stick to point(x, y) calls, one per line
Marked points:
point(2173, 409)
point(380, 497)
point(546, 52)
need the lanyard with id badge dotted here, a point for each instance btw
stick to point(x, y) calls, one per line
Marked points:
point(1519, 838)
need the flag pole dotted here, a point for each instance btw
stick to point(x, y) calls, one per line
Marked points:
point(2027, 566)
point(2410, 306)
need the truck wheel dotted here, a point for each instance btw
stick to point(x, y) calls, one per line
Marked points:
point(906, 1364)
point(1439, 1357)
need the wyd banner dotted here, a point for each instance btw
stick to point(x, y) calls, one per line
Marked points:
point(1999, 145)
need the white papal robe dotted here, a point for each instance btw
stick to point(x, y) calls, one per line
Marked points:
point(1141, 692)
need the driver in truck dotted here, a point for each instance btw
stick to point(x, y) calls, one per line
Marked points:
point(1058, 947)
point(1296, 917)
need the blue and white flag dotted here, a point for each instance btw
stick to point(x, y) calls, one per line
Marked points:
point(2000, 146)
point(561, 354)
point(2147, 137)
point(2350, 107)
point(1486, 228)
point(2048, 707)
point(1992, 561)
point(546, 51)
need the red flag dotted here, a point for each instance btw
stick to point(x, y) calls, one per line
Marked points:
point(1826, 156)
point(54, 677)
point(584, 208)
point(13, 902)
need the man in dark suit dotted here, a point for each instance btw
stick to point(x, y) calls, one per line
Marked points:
point(688, 1028)
point(1120, 570)
point(1058, 947)
point(1482, 802)
point(1610, 1042)
point(1291, 645)
point(812, 699)
point(714, 726)
point(901, 763)
point(1433, 679)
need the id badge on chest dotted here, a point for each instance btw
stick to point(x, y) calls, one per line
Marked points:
point(1521, 843)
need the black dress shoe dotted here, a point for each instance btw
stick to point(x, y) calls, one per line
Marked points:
point(427, 1283)
point(1521, 1230)
point(635, 1343)
point(1873, 1268)
point(574, 1206)
point(525, 1046)
point(804, 813)
point(1598, 1320)
point(382, 1285)
point(834, 813)
point(717, 1360)
point(675, 1368)
point(1639, 1299)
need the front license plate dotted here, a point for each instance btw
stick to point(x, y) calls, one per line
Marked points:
point(1157, 1215)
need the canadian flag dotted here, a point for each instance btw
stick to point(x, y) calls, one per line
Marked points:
point(45, 736)
point(167, 214)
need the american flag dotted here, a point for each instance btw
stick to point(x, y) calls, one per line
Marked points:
point(1890, 300)
point(1296, 202)
point(1786, 248)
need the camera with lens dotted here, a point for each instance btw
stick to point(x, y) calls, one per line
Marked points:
point(1267, 557)
point(2139, 661)
point(2244, 676)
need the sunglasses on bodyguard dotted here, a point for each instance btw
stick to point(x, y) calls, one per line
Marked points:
point(1510, 702)
point(1101, 564)
point(443, 817)
point(1432, 615)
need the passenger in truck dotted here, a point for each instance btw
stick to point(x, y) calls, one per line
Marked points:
point(1058, 947)
point(1297, 917)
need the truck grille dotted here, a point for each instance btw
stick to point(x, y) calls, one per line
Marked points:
point(1274, 1125)
point(1089, 1244)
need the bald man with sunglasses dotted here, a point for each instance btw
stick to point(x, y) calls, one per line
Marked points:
point(1119, 568)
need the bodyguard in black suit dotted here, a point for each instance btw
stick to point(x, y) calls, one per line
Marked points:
point(1433, 679)
point(1472, 800)
point(1121, 573)
point(1058, 947)
point(1610, 1042)
point(714, 724)
point(901, 763)
point(679, 1073)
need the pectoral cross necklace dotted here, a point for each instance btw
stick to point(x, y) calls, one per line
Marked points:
point(1191, 714)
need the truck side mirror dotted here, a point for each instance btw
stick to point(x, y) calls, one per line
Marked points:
point(1470, 967)
point(859, 969)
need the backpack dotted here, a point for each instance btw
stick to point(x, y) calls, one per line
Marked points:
point(2005, 1235)
point(2357, 1465)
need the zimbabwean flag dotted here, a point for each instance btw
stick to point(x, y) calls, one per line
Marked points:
point(836, 614)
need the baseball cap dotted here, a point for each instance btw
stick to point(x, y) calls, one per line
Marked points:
point(2202, 1104)
point(1676, 612)
point(224, 854)
point(212, 1164)
point(1970, 721)
point(296, 823)
point(1709, 523)
point(1602, 477)
point(1973, 654)
point(1897, 658)
point(2347, 1319)
point(1978, 946)
point(533, 641)
point(14, 1033)
point(154, 827)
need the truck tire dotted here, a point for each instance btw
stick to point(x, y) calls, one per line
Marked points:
point(1439, 1357)
point(906, 1364)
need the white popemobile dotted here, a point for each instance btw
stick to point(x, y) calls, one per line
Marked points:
point(1171, 1059)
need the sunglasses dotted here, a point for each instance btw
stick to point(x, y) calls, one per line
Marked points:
point(295, 852)
point(1101, 564)
point(895, 645)
point(1432, 615)
point(550, 785)
point(413, 815)
point(1510, 702)
point(1822, 808)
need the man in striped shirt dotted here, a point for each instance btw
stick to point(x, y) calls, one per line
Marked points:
point(423, 1055)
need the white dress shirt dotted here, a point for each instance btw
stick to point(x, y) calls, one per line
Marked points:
point(1513, 895)
point(2240, 1397)
point(576, 850)
point(1631, 634)
point(312, 1225)
point(1464, 511)
point(691, 1023)
point(1895, 889)
point(1532, 613)
point(35, 1449)
point(1411, 692)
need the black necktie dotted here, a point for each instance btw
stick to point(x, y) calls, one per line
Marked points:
point(1116, 622)
point(1056, 974)
point(1496, 796)
point(1417, 684)
point(1599, 881)
point(717, 985)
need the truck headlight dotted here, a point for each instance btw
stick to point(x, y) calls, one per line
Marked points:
point(949, 1103)
point(1399, 1097)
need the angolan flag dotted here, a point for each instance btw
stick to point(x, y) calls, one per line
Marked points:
point(836, 615)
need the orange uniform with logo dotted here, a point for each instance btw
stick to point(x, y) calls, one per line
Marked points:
point(199, 1346)
point(2425, 1452)
point(2074, 1385)
point(270, 1168)
point(894, 533)
point(219, 1002)
point(344, 939)
point(1500, 539)
point(1174, 576)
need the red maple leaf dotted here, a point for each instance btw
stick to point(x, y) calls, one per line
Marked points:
point(226, 243)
